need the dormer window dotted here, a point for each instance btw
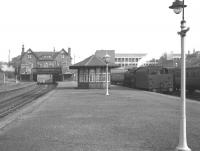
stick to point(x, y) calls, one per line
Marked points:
point(62, 56)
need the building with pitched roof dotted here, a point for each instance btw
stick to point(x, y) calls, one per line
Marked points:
point(31, 63)
point(92, 72)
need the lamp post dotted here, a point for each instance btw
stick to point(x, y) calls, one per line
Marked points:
point(178, 7)
point(107, 59)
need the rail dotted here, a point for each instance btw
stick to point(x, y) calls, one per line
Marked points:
point(14, 102)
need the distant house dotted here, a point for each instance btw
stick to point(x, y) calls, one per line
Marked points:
point(31, 63)
point(92, 72)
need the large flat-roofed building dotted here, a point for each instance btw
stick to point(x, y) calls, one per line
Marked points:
point(125, 59)
point(121, 59)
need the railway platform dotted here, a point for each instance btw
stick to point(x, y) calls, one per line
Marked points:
point(70, 119)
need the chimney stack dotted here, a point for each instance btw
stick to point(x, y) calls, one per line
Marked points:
point(69, 51)
point(22, 49)
point(193, 50)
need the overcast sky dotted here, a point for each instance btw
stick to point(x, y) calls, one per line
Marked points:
point(127, 26)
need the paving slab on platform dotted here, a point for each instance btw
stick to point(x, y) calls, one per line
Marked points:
point(86, 120)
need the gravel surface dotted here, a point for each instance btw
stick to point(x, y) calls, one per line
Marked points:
point(87, 120)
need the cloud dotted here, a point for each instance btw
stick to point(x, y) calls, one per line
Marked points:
point(148, 57)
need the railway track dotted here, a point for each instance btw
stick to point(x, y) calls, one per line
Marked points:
point(17, 100)
point(15, 87)
point(189, 95)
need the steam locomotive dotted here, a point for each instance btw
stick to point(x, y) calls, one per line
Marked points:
point(158, 79)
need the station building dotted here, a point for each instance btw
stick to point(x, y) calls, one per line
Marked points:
point(55, 63)
point(92, 72)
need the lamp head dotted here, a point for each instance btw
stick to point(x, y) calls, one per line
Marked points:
point(177, 6)
point(107, 58)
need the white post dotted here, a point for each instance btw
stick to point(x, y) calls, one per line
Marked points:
point(16, 79)
point(4, 78)
point(107, 79)
point(182, 146)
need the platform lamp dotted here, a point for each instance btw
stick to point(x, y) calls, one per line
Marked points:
point(178, 7)
point(107, 60)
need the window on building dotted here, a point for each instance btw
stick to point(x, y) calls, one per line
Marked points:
point(116, 59)
point(126, 59)
point(62, 56)
point(129, 59)
point(98, 74)
point(136, 59)
point(29, 56)
point(51, 64)
point(83, 75)
point(133, 59)
point(122, 59)
point(119, 59)
point(98, 77)
point(103, 77)
point(91, 75)
point(46, 65)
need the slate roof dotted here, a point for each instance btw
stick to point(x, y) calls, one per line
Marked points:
point(40, 54)
point(92, 61)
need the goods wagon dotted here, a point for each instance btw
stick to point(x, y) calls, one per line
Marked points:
point(45, 79)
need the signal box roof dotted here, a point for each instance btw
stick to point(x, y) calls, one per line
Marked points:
point(92, 61)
